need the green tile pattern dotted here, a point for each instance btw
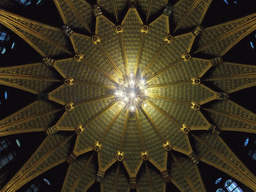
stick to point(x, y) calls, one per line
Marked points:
point(110, 41)
point(185, 174)
point(153, 144)
point(82, 113)
point(236, 119)
point(153, 40)
point(192, 18)
point(184, 92)
point(132, 146)
point(115, 180)
point(79, 92)
point(131, 37)
point(92, 53)
point(112, 142)
point(215, 152)
point(151, 178)
point(229, 69)
point(81, 71)
point(83, 8)
point(94, 131)
point(81, 174)
point(189, 70)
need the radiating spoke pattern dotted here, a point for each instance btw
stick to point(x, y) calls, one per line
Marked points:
point(149, 145)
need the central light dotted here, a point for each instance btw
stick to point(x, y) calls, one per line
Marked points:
point(132, 92)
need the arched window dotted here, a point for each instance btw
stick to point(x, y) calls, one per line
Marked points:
point(251, 145)
point(26, 3)
point(218, 181)
point(5, 42)
point(230, 1)
point(231, 186)
point(220, 190)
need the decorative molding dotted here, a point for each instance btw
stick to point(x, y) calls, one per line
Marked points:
point(100, 176)
point(185, 129)
point(97, 146)
point(97, 11)
point(79, 130)
point(144, 29)
point(133, 182)
point(167, 146)
point(145, 156)
point(51, 130)
point(96, 39)
point(69, 81)
point(48, 61)
point(195, 106)
point(168, 10)
point(119, 29)
point(194, 158)
point(168, 38)
point(166, 177)
point(198, 30)
point(186, 56)
point(78, 57)
point(216, 61)
point(67, 30)
point(69, 106)
point(120, 156)
point(196, 81)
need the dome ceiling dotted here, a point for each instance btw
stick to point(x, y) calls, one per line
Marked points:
point(107, 45)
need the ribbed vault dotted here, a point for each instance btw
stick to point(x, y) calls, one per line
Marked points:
point(146, 39)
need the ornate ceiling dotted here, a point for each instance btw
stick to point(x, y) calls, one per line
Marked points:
point(105, 43)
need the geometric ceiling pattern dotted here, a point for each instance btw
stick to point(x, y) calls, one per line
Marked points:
point(103, 45)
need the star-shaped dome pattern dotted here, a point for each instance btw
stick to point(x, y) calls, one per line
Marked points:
point(103, 140)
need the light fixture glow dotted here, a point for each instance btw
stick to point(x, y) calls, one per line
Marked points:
point(131, 92)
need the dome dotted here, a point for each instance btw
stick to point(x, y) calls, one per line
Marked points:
point(131, 106)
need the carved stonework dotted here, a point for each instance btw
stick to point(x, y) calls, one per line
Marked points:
point(186, 56)
point(69, 81)
point(222, 96)
point(168, 38)
point(71, 158)
point(195, 106)
point(119, 29)
point(96, 39)
point(185, 129)
point(100, 176)
point(120, 156)
point(216, 61)
point(198, 30)
point(167, 146)
point(79, 130)
point(67, 30)
point(51, 130)
point(97, 11)
point(194, 158)
point(214, 130)
point(145, 156)
point(168, 10)
point(133, 182)
point(196, 81)
point(48, 61)
point(144, 29)
point(97, 146)
point(69, 106)
point(166, 177)
point(78, 57)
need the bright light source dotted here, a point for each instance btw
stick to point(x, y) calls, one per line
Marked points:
point(132, 95)
point(132, 108)
point(145, 104)
point(126, 99)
